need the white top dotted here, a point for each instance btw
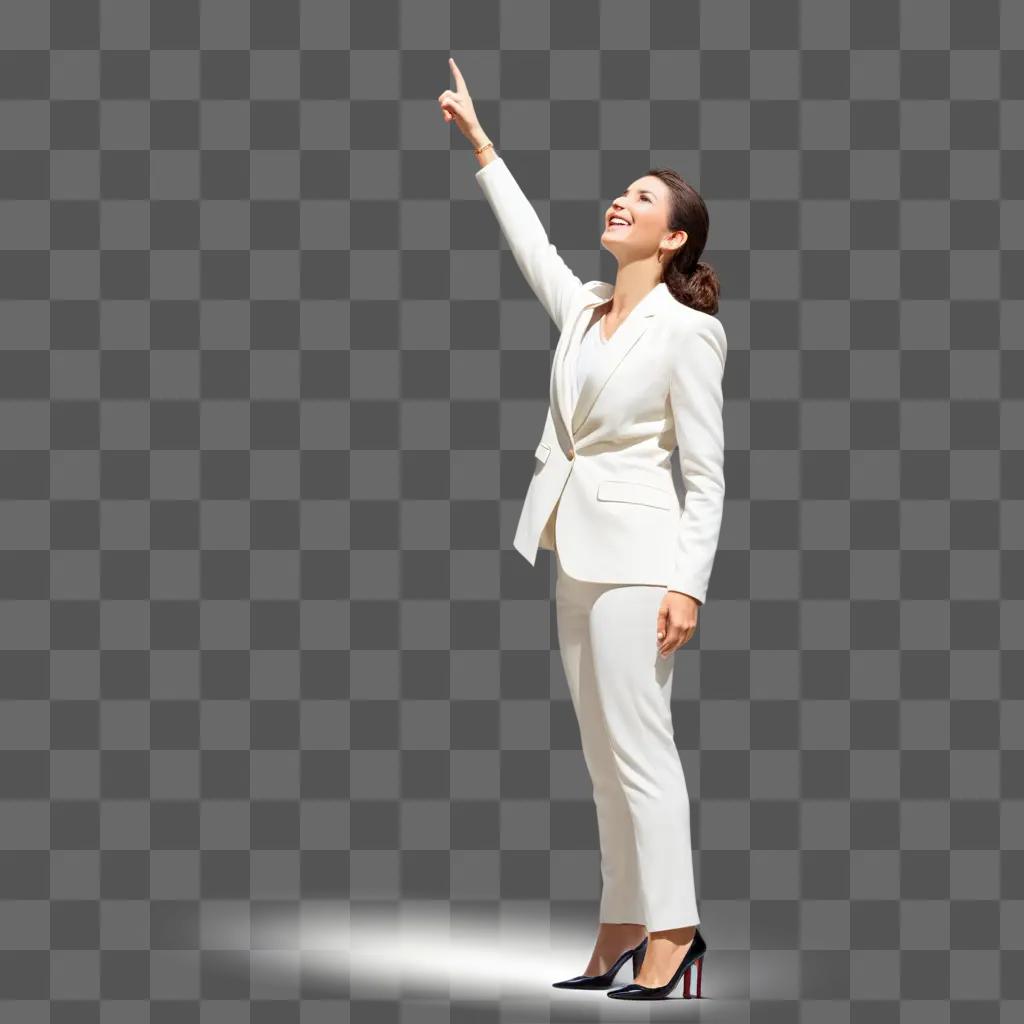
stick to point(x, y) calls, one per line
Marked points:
point(590, 347)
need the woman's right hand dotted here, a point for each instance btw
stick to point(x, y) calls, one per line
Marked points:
point(458, 107)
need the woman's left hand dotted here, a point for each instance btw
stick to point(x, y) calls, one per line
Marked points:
point(677, 621)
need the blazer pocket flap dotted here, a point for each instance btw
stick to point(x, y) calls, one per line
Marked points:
point(542, 452)
point(637, 493)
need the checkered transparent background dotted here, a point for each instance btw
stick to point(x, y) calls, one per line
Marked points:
point(271, 388)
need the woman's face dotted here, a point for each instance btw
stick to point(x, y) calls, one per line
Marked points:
point(645, 208)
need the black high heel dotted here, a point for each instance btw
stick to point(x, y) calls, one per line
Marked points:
point(694, 955)
point(607, 979)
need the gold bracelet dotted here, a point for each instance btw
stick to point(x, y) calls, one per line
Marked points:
point(483, 147)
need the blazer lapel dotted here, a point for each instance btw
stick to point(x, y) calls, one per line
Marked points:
point(558, 391)
point(624, 340)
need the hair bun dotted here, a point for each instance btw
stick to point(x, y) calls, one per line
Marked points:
point(698, 288)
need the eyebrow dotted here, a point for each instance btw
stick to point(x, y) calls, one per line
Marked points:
point(642, 190)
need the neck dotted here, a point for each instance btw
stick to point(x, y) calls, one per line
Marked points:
point(633, 282)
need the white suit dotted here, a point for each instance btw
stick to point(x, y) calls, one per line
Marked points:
point(606, 463)
point(602, 497)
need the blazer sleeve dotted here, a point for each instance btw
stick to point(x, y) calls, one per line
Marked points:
point(552, 281)
point(695, 393)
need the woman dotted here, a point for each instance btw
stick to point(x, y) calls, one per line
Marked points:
point(633, 567)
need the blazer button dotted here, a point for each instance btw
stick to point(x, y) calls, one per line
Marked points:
point(572, 454)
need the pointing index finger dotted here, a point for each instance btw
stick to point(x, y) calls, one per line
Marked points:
point(459, 80)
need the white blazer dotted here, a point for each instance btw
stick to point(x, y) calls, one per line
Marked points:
point(606, 462)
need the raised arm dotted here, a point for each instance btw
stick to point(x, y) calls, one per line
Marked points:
point(545, 271)
point(552, 281)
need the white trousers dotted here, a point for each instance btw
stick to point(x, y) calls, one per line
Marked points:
point(621, 691)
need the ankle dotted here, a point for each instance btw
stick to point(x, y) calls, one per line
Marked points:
point(677, 936)
point(622, 931)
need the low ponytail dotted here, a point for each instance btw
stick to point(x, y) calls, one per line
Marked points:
point(698, 288)
point(691, 282)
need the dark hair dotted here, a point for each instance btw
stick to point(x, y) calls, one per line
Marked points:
point(691, 282)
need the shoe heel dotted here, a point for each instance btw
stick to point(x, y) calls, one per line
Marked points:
point(699, 964)
point(639, 952)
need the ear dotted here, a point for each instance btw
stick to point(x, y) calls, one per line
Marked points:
point(676, 239)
